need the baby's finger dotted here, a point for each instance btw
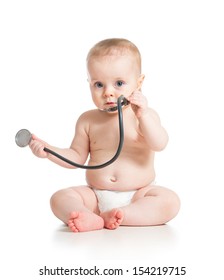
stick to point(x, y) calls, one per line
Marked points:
point(137, 93)
point(34, 137)
point(139, 100)
point(131, 97)
point(37, 148)
point(136, 97)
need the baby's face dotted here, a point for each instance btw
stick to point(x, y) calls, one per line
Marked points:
point(112, 76)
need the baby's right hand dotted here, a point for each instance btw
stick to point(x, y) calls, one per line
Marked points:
point(37, 147)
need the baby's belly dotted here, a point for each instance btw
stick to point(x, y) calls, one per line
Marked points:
point(121, 176)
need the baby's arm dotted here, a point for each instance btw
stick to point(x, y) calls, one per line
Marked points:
point(149, 122)
point(78, 151)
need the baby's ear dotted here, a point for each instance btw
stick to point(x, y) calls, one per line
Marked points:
point(140, 81)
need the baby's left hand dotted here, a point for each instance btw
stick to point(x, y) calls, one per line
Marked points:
point(139, 103)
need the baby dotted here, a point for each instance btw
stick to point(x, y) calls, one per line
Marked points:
point(122, 193)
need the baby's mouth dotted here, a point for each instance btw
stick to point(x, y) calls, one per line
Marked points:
point(111, 106)
point(111, 103)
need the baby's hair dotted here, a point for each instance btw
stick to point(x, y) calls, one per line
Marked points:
point(114, 46)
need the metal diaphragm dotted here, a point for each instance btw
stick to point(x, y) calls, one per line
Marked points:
point(23, 138)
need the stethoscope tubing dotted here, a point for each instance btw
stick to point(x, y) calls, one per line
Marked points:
point(119, 148)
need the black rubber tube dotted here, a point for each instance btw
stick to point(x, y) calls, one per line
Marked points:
point(120, 145)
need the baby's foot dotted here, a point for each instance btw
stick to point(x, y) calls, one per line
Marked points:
point(113, 218)
point(85, 221)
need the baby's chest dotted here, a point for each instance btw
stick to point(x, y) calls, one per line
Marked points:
point(108, 136)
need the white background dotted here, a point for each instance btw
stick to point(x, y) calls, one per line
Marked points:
point(43, 88)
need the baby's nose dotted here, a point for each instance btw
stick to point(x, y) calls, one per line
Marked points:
point(109, 91)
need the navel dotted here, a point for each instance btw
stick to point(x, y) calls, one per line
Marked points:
point(113, 179)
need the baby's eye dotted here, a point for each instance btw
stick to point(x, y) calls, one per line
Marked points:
point(119, 83)
point(98, 85)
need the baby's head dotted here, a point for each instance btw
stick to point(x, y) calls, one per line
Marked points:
point(114, 69)
point(115, 47)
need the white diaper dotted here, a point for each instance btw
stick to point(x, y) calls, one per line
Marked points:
point(108, 200)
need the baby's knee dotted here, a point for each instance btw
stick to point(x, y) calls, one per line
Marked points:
point(54, 199)
point(65, 196)
point(172, 205)
point(57, 194)
point(57, 197)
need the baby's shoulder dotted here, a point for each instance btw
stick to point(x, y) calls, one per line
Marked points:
point(89, 116)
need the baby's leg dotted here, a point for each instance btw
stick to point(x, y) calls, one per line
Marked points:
point(151, 205)
point(77, 207)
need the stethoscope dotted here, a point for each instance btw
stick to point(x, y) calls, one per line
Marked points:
point(23, 138)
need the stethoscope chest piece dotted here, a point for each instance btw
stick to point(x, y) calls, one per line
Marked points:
point(23, 138)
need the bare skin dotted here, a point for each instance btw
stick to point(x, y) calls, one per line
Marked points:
point(97, 134)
